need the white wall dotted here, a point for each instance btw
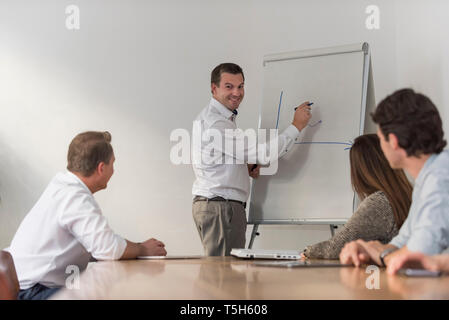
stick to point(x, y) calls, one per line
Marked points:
point(422, 50)
point(141, 69)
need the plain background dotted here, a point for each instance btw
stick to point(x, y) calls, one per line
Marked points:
point(141, 69)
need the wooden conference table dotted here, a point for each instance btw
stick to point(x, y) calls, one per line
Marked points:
point(228, 278)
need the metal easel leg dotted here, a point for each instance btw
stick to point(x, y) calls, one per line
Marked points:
point(332, 226)
point(254, 233)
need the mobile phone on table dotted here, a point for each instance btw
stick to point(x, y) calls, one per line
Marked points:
point(419, 272)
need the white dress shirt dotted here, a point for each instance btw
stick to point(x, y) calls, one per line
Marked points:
point(229, 179)
point(65, 227)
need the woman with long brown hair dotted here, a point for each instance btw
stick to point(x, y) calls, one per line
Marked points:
point(385, 194)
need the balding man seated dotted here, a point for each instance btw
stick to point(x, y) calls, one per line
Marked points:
point(66, 226)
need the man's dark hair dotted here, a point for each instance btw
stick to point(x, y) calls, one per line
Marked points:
point(231, 68)
point(415, 121)
point(87, 150)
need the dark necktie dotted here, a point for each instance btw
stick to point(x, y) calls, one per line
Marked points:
point(235, 113)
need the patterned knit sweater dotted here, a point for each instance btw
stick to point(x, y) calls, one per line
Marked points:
point(373, 220)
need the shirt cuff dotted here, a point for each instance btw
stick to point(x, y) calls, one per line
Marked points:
point(120, 248)
point(292, 132)
point(397, 243)
point(426, 245)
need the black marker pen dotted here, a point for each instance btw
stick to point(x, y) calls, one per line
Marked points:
point(309, 104)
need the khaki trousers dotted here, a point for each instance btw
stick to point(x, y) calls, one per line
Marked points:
point(221, 226)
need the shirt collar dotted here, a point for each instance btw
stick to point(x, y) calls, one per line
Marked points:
point(73, 176)
point(228, 114)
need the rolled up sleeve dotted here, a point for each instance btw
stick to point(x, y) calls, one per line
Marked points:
point(253, 151)
point(83, 218)
point(426, 228)
point(401, 239)
point(430, 234)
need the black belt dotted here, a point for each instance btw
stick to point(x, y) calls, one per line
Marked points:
point(199, 198)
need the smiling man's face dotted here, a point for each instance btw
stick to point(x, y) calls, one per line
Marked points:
point(231, 90)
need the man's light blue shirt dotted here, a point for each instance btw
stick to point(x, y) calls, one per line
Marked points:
point(426, 228)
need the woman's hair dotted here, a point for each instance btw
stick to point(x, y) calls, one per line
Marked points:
point(370, 172)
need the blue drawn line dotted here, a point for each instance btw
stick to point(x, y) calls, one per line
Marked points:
point(279, 109)
point(279, 112)
point(349, 143)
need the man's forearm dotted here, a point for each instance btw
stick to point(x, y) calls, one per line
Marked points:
point(132, 251)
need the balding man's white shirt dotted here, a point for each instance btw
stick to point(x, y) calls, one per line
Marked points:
point(64, 228)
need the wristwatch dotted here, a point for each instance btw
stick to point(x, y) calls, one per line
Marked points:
point(385, 253)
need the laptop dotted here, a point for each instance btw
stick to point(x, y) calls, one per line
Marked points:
point(301, 264)
point(266, 254)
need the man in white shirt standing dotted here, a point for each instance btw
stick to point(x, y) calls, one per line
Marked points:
point(221, 189)
point(66, 227)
